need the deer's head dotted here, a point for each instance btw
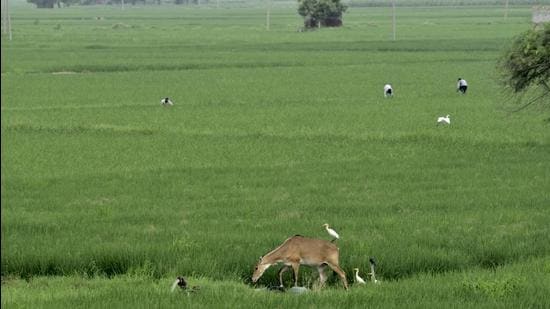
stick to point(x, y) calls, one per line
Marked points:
point(259, 270)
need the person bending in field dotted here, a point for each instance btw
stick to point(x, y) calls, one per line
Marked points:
point(462, 85)
point(388, 91)
point(166, 102)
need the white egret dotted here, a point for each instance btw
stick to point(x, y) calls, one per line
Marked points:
point(357, 278)
point(444, 120)
point(331, 232)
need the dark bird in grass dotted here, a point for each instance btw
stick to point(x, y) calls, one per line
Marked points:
point(372, 268)
point(372, 261)
point(182, 283)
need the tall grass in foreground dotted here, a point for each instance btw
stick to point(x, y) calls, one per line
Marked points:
point(520, 285)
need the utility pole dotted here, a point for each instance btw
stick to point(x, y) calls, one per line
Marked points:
point(122, 4)
point(268, 15)
point(6, 20)
point(393, 17)
point(506, 9)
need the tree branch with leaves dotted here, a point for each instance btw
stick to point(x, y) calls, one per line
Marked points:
point(526, 65)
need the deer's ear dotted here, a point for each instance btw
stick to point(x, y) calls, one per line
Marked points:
point(261, 256)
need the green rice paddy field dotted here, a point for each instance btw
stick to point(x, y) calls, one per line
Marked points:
point(107, 196)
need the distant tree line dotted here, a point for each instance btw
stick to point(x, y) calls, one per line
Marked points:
point(378, 3)
point(50, 4)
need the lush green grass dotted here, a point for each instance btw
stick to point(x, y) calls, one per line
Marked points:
point(273, 133)
point(510, 286)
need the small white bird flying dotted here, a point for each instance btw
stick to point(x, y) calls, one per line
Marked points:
point(358, 279)
point(166, 102)
point(331, 232)
point(444, 120)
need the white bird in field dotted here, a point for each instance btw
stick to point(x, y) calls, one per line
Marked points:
point(166, 102)
point(331, 232)
point(357, 278)
point(444, 120)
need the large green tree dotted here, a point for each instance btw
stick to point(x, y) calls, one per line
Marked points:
point(43, 4)
point(327, 13)
point(526, 65)
point(49, 4)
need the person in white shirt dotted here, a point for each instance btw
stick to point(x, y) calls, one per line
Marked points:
point(388, 90)
point(166, 102)
point(462, 85)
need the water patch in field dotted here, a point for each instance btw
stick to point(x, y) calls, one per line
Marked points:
point(121, 26)
point(64, 72)
point(96, 46)
point(90, 106)
point(169, 67)
point(79, 129)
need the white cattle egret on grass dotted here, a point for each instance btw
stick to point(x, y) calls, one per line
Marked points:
point(444, 120)
point(166, 102)
point(331, 232)
point(357, 278)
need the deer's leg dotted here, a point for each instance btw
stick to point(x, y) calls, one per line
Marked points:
point(340, 273)
point(322, 276)
point(281, 271)
point(296, 268)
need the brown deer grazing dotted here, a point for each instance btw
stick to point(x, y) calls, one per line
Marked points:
point(299, 250)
